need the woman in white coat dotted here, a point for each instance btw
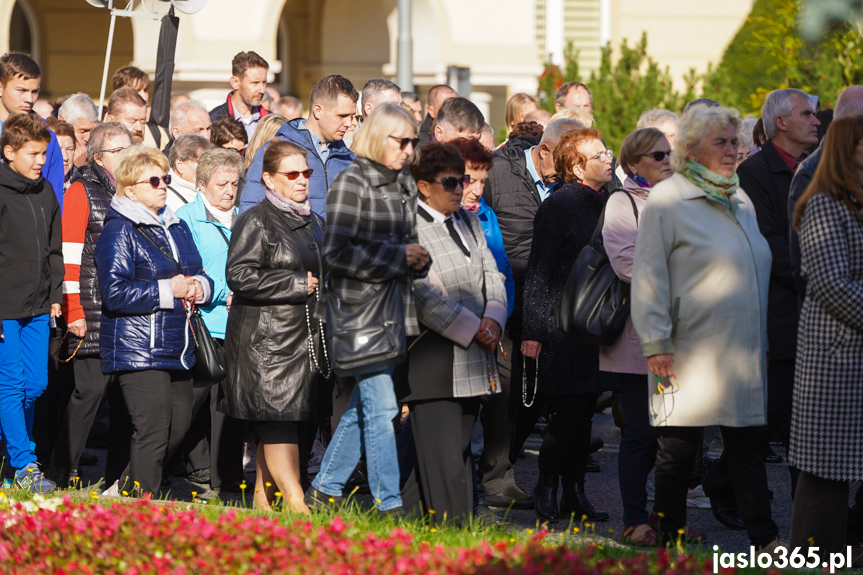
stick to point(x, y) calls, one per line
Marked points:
point(699, 306)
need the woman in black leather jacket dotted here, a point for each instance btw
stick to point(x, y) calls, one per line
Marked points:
point(273, 270)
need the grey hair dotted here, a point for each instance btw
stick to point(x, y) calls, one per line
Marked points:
point(178, 116)
point(373, 88)
point(188, 146)
point(555, 131)
point(694, 126)
point(488, 130)
point(746, 127)
point(100, 134)
point(79, 107)
point(218, 158)
point(849, 102)
point(657, 117)
point(778, 103)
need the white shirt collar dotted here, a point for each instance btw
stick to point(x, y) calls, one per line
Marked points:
point(438, 217)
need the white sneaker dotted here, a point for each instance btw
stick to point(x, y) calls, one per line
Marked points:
point(113, 491)
point(696, 498)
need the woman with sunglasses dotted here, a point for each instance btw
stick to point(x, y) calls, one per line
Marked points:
point(371, 241)
point(568, 376)
point(645, 157)
point(462, 310)
point(85, 204)
point(274, 347)
point(150, 276)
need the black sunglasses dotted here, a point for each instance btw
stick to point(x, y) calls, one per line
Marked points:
point(154, 181)
point(294, 175)
point(658, 156)
point(403, 142)
point(452, 183)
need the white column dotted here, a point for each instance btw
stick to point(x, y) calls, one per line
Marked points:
point(554, 41)
point(483, 102)
point(604, 22)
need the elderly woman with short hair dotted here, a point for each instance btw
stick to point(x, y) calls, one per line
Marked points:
point(700, 310)
point(569, 381)
point(665, 121)
point(183, 158)
point(150, 274)
point(210, 219)
point(86, 203)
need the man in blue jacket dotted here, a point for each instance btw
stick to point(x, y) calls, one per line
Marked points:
point(20, 79)
point(332, 104)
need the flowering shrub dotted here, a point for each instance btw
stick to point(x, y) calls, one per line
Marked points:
point(143, 538)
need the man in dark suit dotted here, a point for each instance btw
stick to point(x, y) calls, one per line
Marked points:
point(790, 126)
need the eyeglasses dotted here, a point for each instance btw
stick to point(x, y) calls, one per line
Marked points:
point(296, 174)
point(113, 150)
point(403, 142)
point(658, 156)
point(452, 183)
point(154, 181)
point(603, 156)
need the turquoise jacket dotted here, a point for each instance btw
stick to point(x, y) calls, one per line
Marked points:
point(213, 247)
point(493, 238)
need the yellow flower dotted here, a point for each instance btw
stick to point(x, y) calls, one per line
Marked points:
point(125, 493)
point(243, 485)
point(681, 531)
point(433, 530)
point(583, 517)
point(268, 484)
point(278, 493)
point(512, 539)
point(137, 484)
point(332, 500)
point(194, 494)
point(530, 531)
point(660, 513)
point(378, 500)
point(431, 511)
point(575, 529)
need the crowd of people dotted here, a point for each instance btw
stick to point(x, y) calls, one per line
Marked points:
point(384, 284)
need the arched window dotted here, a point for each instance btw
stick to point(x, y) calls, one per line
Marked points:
point(23, 31)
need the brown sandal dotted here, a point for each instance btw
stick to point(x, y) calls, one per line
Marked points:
point(642, 535)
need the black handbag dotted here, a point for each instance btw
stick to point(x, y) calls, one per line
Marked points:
point(594, 304)
point(367, 335)
point(209, 365)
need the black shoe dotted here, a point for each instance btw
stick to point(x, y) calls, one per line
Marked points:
point(729, 517)
point(545, 498)
point(596, 443)
point(772, 457)
point(314, 499)
point(395, 512)
point(576, 505)
point(88, 459)
point(591, 466)
point(512, 497)
point(200, 476)
point(66, 478)
point(232, 487)
point(166, 482)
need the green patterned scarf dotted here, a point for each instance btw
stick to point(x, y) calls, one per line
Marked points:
point(718, 188)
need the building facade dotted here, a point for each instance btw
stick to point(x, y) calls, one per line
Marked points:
point(502, 42)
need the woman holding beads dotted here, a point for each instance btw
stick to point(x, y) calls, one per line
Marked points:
point(274, 348)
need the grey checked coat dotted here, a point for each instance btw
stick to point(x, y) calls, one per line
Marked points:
point(827, 415)
point(371, 216)
point(450, 299)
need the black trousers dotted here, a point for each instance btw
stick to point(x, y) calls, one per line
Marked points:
point(522, 418)
point(494, 472)
point(51, 405)
point(441, 480)
point(160, 406)
point(566, 445)
point(91, 388)
point(780, 378)
point(820, 515)
point(738, 473)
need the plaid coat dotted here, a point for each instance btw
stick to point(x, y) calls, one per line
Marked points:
point(826, 426)
point(450, 300)
point(371, 216)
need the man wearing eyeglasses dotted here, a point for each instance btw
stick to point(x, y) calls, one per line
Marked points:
point(523, 175)
point(128, 108)
point(331, 107)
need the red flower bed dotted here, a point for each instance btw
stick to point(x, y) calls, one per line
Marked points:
point(141, 538)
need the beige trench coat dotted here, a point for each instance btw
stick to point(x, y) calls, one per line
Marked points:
point(699, 291)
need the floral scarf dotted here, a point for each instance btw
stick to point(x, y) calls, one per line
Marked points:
point(718, 188)
point(640, 181)
point(285, 205)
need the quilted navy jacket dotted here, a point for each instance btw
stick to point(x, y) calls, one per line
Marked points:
point(143, 325)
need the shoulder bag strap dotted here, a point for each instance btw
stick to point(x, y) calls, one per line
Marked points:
point(224, 235)
point(176, 193)
point(167, 254)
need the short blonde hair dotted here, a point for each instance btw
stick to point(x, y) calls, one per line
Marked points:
point(514, 107)
point(264, 132)
point(579, 114)
point(694, 126)
point(370, 141)
point(133, 161)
